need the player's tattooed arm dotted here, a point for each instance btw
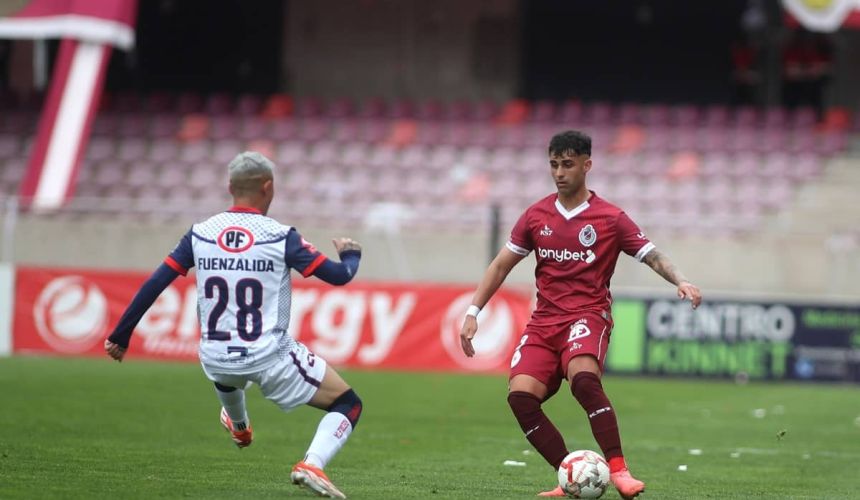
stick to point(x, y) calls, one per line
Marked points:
point(661, 264)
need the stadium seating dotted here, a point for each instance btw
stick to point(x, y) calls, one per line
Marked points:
point(684, 168)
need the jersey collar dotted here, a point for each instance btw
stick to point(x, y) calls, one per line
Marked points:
point(570, 214)
point(246, 210)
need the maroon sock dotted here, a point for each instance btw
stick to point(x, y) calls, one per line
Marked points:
point(540, 432)
point(588, 390)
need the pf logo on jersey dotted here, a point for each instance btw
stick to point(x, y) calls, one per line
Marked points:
point(587, 235)
point(235, 239)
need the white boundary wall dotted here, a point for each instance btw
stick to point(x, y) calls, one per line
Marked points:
point(7, 294)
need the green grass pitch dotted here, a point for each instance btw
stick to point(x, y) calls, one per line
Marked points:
point(88, 428)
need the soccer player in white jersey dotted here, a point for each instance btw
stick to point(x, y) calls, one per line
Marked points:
point(243, 261)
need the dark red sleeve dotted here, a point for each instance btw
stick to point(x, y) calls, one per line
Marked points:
point(521, 238)
point(631, 239)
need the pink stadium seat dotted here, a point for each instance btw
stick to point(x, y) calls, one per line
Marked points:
point(400, 109)
point(289, 153)
point(745, 164)
point(684, 116)
point(249, 104)
point(195, 151)
point(252, 128)
point(747, 117)
point(804, 167)
point(382, 156)
point(164, 125)
point(133, 125)
point(830, 143)
point(598, 114)
point(106, 124)
point(502, 161)
point(100, 148)
point(772, 139)
point(442, 157)
point(803, 141)
point(339, 108)
point(189, 102)
point(775, 118)
point(543, 112)
point(205, 177)
point(714, 139)
point(309, 107)
point(374, 130)
point(716, 116)
point(172, 175)
point(142, 175)
point(223, 127)
point(324, 153)
point(373, 107)
point(313, 129)
point(108, 174)
point(803, 118)
point(428, 110)
point(13, 170)
point(571, 114)
point(282, 130)
point(657, 115)
point(742, 139)
point(224, 151)
point(132, 149)
point(219, 104)
point(459, 111)
point(163, 150)
point(485, 111)
point(630, 113)
point(775, 166)
point(352, 153)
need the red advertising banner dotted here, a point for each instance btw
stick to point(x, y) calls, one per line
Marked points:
point(384, 325)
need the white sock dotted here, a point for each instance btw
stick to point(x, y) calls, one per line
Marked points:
point(333, 431)
point(234, 403)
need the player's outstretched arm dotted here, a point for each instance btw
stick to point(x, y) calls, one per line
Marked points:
point(340, 273)
point(116, 344)
point(661, 264)
point(493, 278)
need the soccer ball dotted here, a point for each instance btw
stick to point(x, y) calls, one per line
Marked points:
point(583, 474)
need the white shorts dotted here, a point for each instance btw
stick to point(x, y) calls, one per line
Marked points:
point(289, 383)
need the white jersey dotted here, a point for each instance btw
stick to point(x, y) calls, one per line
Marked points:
point(243, 261)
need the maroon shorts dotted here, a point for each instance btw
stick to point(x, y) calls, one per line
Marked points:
point(545, 351)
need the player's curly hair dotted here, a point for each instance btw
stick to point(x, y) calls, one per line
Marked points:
point(570, 140)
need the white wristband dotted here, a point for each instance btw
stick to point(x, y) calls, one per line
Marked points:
point(473, 311)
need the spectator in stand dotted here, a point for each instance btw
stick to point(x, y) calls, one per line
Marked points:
point(746, 76)
point(807, 65)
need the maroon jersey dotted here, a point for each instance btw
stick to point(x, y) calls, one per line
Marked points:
point(576, 252)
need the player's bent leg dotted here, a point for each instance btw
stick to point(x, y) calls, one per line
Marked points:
point(525, 398)
point(330, 388)
point(234, 416)
point(585, 384)
point(334, 429)
point(343, 407)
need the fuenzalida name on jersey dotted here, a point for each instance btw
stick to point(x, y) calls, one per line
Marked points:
point(235, 264)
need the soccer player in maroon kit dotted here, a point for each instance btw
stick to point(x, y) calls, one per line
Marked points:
point(576, 237)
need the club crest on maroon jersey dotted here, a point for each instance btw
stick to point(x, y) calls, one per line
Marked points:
point(587, 235)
